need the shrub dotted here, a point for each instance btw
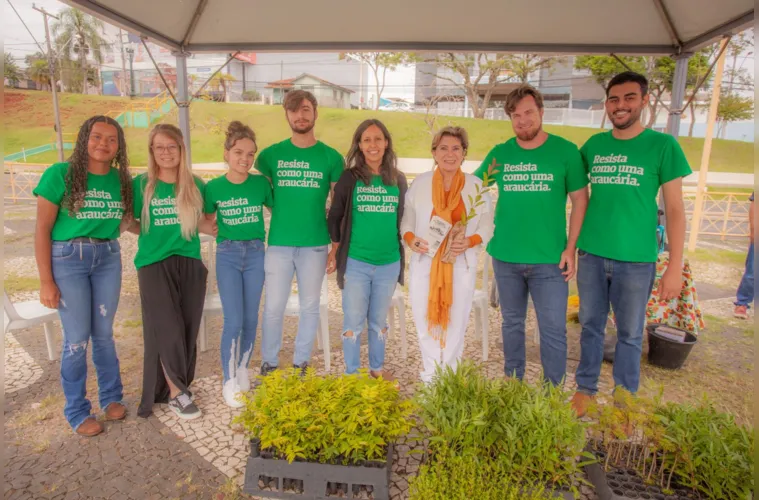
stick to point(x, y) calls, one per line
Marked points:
point(671, 444)
point(529, 432)
point(341, 419)
point(251, 95)
point(452, 476)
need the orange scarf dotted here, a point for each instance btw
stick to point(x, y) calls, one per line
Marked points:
point(441, 274)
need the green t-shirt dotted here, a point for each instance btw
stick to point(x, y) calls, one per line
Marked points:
point(301, 180)
point(531, 213)
point(102, 211)
point(164, 236)
point(238, 207)
point(374, 227)
point(625, 176)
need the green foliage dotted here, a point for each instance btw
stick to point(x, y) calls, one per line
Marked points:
point(696, 446)
point(477, 201)
point(251, 95)
point(707, 450)
point(451, 476)
point(735, 107)
point(11, 71)
point(342, 419)
point(530, 432)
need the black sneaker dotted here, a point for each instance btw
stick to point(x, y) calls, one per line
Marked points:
point(266, 369)
point(302, 367)
point(183, 406)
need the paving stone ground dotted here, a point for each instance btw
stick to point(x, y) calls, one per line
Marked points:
point(163, 457)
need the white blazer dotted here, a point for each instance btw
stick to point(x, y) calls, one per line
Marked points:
point(417, 211)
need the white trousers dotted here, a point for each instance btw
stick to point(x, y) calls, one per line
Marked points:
point(464, 280)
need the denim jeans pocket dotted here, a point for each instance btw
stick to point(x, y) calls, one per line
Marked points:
point(62, 251)
point(114, 247)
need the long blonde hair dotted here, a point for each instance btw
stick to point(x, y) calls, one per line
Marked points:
point(189, 201)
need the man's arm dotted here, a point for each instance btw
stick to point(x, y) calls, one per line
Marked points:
point(671, 282)
point(568, 259)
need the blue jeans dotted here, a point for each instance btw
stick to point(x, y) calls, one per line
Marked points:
point(309, 265)
point(626, 286)
point(88, 276)
point(745, 293)
point(549, 291)
point(367, 294)
point(240, 275)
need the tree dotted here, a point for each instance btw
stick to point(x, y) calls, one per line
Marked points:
point(603, 69)
point(11, 71)
point(221, 83)
point(78, 35)
point(521, 66)
point(39, 73)
point(732, 108)
point(379, 63)
point(461, 67)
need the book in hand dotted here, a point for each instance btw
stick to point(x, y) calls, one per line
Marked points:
point(436, 233)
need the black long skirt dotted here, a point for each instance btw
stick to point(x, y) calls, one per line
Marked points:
point(172, 293)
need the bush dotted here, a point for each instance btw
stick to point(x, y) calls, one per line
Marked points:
point(525, 431)
point(707, 450)
point(339, 419)
point(463, 477)
point(681, 445)
point(251, 95)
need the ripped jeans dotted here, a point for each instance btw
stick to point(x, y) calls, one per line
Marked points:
point(240, 275)
point(88, 276)
point(366, 299)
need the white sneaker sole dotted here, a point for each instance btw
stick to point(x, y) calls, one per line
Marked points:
point(187, 416)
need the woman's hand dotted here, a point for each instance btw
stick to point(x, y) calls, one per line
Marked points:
point(459, 245)
point(332, 259)
point(50, 296)
point(419, 245)
point(208, 226)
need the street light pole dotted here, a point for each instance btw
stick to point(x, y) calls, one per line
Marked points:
point(53, 85)
point(130, 51)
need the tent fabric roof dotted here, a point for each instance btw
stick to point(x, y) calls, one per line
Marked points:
point(661, 27)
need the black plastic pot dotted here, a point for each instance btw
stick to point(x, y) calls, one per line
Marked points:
point(667, 353)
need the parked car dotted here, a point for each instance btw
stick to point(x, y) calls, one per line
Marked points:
point(397, 106)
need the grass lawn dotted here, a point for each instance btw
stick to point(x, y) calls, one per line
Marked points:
point(29, 123)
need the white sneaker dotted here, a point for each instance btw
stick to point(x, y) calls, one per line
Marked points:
point(230, 392)
point(243, 380)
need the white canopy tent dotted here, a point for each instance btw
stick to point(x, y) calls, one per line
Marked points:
point(652, 27)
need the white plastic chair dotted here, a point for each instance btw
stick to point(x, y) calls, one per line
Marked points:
point(322, 331)
point(212, 306)
point(212, 303)
point(398, 303)
point(27, 314)
point(480, 305)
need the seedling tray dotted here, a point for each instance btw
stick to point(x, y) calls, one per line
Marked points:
point(626, 484)
point(269, 477)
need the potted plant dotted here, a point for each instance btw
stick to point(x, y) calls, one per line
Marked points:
point(522, 438)
point(310, 434)
point(655, 450)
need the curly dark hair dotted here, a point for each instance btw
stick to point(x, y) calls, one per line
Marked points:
point(356, 161)
point(76, 177)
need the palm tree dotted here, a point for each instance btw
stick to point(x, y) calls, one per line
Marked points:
point(39, 73)
point(78, 35)
point(222, 82)
point(11, 71)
